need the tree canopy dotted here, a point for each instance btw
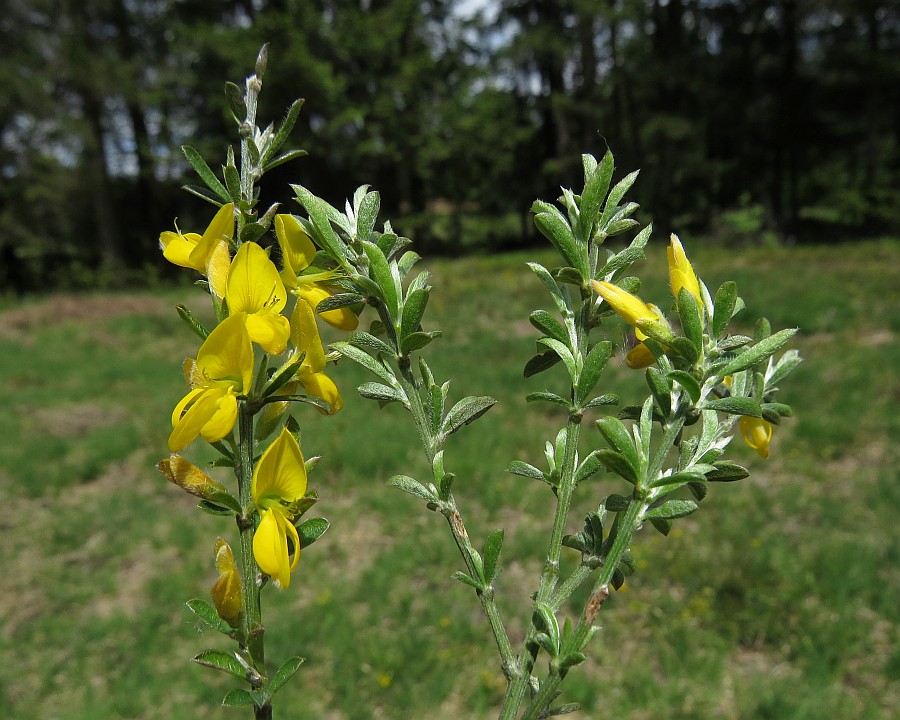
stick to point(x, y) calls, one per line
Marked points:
point(769, 115)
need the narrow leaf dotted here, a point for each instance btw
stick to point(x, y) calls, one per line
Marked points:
point(723, 307)
point(552, 286)
point(284, 673)
point(218, 660)
point(207, 613)
point(208, 176)
point(491, 555)
point(311, 530)
point(672, 510)
point(735, 406)
point(193, 323)
point(518, 467)
point(466, 411)
point(413, 487)
point(759, 352)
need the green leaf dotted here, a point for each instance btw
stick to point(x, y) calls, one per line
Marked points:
point(724, 304)
point(617, 503)
point(545, 621)
point(594, 364)
point(564, 354)
point(284, 130)
point(340, 300)
point(463, 578)
point(691, 318)
point(283, 158)
point(727, 472)
point(601, 401)
point(218, 660)
point(549, 325)
point(615, 196)
point(282, 376)
point(367, 215)
point(464, 412)
point(381, 393)
point(311, 530)
point(213, 509)
point(236, 101)
point(552, 286)
point(688, 382)
point(659, 386)
point(685, 348)
point(671, 510)
point(759, 352)
point(413, 487)
point(418, 340)
point(554, 227)
point(618, 463)
point(492, 546)
point(388, 283)
point(413, 311)
point(541, 362)
point(226, 500)
point(618, 437)
point(625, 258)
point(203, 194)
point(560, 710)
point(367, 361)
point(592, 198)
point(548, 397)
point(785, 365)
point(207, 613)
point(232, 178)
point(365, 340)
point(287, 670)
point(681, 478)
point(591, 465)
point(251, 232)
point(192, 322)
point(517, 467)
point(324, 233)
point(735, 406)
point(208, 176)
point(663, 526)
point(238, 696)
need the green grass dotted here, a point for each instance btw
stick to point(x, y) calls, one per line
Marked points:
point(779, 600)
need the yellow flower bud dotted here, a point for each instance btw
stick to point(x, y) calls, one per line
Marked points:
point(226, 592)
point(756, 433)
point(681, 272)
point(646, 318)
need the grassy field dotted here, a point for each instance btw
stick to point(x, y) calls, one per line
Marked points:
point(778, 600)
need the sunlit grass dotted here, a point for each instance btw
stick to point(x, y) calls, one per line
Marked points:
point(777, 601)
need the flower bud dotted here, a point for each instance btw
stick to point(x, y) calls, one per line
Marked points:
point(189, 477)
point(681, 272)
point(756, 433)
point(226, 592)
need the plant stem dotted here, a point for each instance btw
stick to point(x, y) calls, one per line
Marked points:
point(252, 630)
point(457, 526)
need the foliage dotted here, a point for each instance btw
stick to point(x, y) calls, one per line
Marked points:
point(787, 107)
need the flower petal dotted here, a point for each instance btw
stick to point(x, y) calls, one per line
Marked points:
point(227, 353)
point(270, 330)
point(681, 272)
point(305, 336)
point(177, 248)
point(297, 250)
point(280, 474)
point(756, 433)
point(197, 416)
point(220, 230)
point(253, 282)
point(322, 386)
point(342, 318)
point(270, 548)
point(222, 420)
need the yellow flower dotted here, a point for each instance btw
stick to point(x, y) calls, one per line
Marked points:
point(189, 477)
point(255, 289)
point(681, 272)
point(208, 254)
point(223, 369)
point(226, 592)
point(297, 253)
point(279, 481)
point(305, 337)
point(756, 433)
point(646, 318)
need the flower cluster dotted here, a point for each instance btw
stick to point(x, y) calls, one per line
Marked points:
point(231, 374)
point(695, 308)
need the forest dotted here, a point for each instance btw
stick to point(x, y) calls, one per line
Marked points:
point(753, 121)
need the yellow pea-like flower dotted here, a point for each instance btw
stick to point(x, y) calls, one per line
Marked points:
point(311, 375)
point(645, 317)
point(207, 254)
point(255, 290)
point(279, 481)
point(757, 433)
point(297, 253)
point(223, 369)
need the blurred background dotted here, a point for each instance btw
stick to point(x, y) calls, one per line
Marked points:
point(749, 119)
point(767, 136)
